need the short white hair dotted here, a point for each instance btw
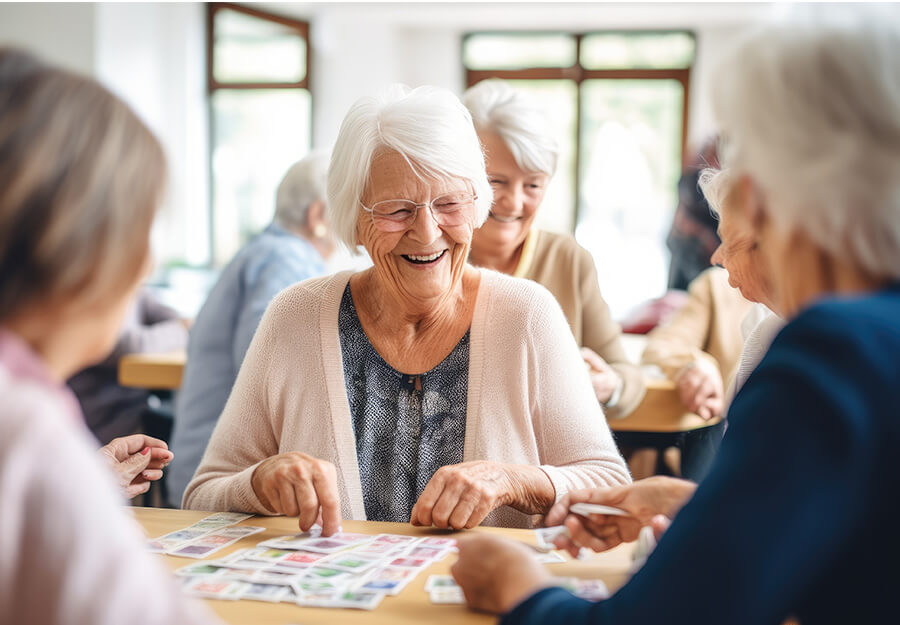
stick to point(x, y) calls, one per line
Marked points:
point(716, 184)
point(523, 126)
point(808, 108)
point(428, 126)
point(302, 185)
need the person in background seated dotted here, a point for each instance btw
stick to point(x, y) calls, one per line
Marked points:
point(80, 182)
point(699, 347)
point(423, 389)
point(692, 237)
point(111, 410)
point(521, 159)
point(794, 520)
point(291, 249)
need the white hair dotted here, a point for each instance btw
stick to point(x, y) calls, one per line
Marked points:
point(302, 185)
point(809, 108)
point(428, 126)
point(716, 184)
point(524, 127)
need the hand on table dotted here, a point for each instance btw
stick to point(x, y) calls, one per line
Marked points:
point(460, 496)
point(603, 378)
point(700, 388)
point(496, 574)
point(136, 461)
point(295, 484)
point(653, 501)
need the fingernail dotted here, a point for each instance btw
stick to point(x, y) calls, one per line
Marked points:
point(145, 451)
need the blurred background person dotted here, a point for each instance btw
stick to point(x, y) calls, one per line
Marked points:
point(80, 182)
point(692, 239)
point(111, 410)
point(521, 157)
point(814, 430)
point(292, 248)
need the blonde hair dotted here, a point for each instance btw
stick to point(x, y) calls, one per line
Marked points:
point(80, 180)
point(808, 107)
point(428, 126)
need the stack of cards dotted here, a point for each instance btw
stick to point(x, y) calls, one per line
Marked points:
point(589, 589)
point(204, 537)
point(443, 589)
point(341, 571)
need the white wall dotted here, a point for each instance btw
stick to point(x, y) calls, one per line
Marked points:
point(61, 33)
point(153, 56)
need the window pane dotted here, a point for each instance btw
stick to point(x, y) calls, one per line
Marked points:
point(631, 162)
point(251, 49)
point(637, 50)
point(257, 135)
point(558, 98)
point(516, 51)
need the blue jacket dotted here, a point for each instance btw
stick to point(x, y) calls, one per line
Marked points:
point(221, 335)
point(799, 513)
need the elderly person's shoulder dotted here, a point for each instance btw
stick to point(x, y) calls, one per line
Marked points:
point(562, 248)
point(303, 297)
point(516, 297)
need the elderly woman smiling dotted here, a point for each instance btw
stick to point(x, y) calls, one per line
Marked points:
point(521, 159)
point(419, 390)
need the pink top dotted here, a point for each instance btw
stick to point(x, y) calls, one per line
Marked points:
point(70, 551)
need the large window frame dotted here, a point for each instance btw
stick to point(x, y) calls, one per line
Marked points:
point(213, 85)
point(579, 74)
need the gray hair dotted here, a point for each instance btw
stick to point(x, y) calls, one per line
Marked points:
point(80, 181)
point(429, 126)
point(808, 107)
point(524, 127)
point(303, 184)
point(716, 184)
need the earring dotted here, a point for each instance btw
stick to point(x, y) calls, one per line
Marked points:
point(320, 231)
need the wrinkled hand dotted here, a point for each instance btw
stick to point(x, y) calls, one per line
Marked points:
point(700, 389)
point(295, 484)
point(136, 461)
point(603, 378)
point(652, 501)
point(496, 574)
point(460, 496)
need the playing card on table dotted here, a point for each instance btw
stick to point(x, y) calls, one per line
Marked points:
point(216, 589)
point(199, 570)
point(353, 562)
point(294, 541)
point(431, 553)
point(447, 595)
point(359, 600)
point(390, 580)
point(546, 535)
point(265, 592)
point(550, 557)
point(326, 545)
point(210, 543)
point(440, 581)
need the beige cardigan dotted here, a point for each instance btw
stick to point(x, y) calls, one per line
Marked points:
point(559, 264)
point(708, 327)
point(529, 398)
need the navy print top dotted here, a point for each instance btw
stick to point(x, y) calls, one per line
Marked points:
point(403, 433)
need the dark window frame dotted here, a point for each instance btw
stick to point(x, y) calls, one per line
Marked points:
point(579, 74)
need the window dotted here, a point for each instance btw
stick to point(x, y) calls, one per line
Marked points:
point(618, 104)
point(260, 116)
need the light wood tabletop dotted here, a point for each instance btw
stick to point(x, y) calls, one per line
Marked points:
point(411, 606)
point(156, 372)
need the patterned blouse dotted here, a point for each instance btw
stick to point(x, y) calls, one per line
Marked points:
point(403, 434)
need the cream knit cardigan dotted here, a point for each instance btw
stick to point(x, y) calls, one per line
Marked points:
point(529, 401)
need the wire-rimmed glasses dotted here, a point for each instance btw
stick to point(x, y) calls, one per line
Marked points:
point(448, 209)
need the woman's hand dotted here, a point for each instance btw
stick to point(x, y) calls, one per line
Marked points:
point(295, 484)
point(700, 388)
point(136, 461)
point(649, 502)
point(460, 496)
point(496, 574)
point(603, 378)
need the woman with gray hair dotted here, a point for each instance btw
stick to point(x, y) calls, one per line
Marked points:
point(421, 389)
point(521, 158)
point(795, 517)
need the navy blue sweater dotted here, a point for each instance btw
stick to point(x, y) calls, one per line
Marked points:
point(800, 513)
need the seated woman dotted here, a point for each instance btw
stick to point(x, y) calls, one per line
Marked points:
point(421, 389)
point(792, 519)
point(521, 159)
point(699, 347)
point(80, 182)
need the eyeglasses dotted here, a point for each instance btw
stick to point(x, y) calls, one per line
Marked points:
point(449, 209)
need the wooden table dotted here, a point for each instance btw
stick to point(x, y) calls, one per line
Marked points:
point(156, 372)
point(411, 606)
